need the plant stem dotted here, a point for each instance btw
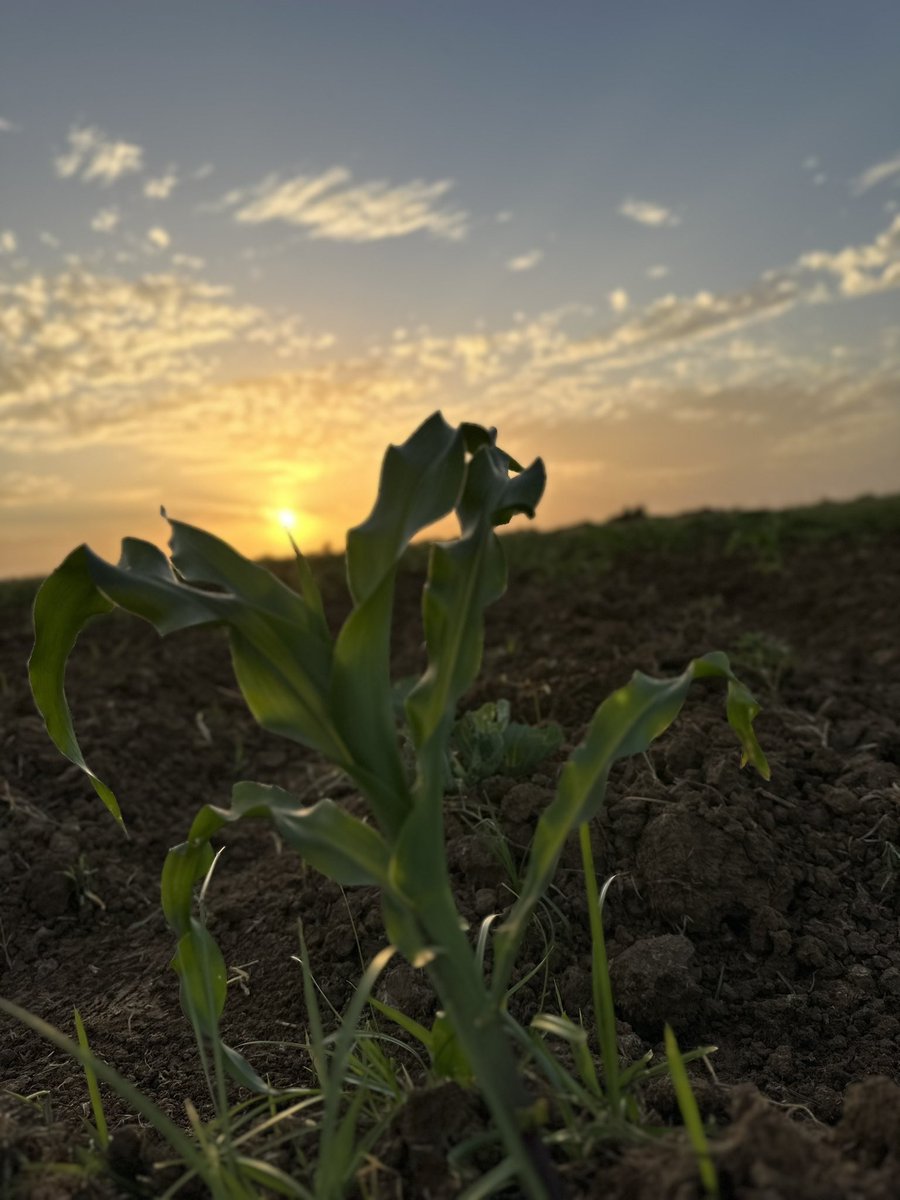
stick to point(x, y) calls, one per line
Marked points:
point(604, 1010)
point(478, 1026)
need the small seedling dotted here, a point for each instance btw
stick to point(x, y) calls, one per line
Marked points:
point(335, 695)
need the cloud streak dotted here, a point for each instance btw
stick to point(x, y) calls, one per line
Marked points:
point(333, 207)
point(93, 157)
point(85, 356)
point(875, 175)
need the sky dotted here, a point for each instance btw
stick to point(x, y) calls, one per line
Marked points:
point(244, 244)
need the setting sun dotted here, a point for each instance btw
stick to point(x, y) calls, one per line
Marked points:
point(287, 519)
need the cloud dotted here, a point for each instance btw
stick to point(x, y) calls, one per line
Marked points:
point(105, 220)
point(331, 206)
point(158, 237)
point(658, 271)
point(874, 175)
point(162, 186)
point(8, 242)
point(8, 126)
point(503, 217)
point(525, 262)
point(203, 171)
point(618, 300)
point(86, 358)
point(77, 345)
point(92, 156)
point(861, 270)
point(672, 320)
point(645, 212)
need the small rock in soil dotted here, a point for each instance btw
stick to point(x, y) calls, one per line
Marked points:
point(654, 980)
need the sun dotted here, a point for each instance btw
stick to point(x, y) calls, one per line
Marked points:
point(286, 518)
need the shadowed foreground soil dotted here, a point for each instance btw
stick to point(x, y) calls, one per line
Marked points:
point(758, 917)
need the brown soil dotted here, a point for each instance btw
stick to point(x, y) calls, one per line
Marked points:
point(759, 917)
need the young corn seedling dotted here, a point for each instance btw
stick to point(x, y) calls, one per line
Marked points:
point(335, 696)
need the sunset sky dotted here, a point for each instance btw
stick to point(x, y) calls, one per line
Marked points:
point(243, 245)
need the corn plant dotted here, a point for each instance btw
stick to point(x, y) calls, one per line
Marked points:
point(334, 695)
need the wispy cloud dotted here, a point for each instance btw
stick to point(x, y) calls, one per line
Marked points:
point(93, 157)
point(158, 237)
point(618, 300)
point(86, 357)
point(645, 212)
point(331, 206)
point(77, 345)
point(876, 174)
point(162, 187)
point(8, 242)
point(525, 262)
point(106, 220)
point(7, 126)
point(658, 271)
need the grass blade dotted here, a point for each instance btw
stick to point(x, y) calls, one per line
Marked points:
point(92, 1085)
point(690, 1114)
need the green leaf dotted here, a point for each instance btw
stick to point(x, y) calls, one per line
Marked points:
point(560, 1026)
point(66, 601)
point(184, 867)
point(411, 1026)
point(484, 743)
point(280, 647)
point(329, 839)
point(464, 576)
point(690, 1114)
point(420, 482)
point(447, 1055)
point(200, 967)
point(526, 746)
point(626, 723)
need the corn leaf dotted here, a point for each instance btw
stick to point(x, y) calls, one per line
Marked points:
point(185, 865)
point(202, 975)
point(328, 838)
point(464, 577)
point(65, 603)
point(420, 483)
point(280, 647)
point(626, 723)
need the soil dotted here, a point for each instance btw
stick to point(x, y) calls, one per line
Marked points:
point(758, 917)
